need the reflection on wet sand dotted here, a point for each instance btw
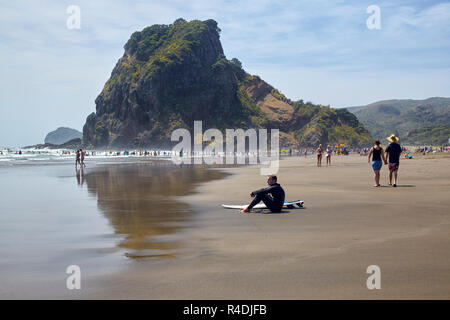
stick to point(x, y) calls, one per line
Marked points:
point(139, 201)
point(80, 176)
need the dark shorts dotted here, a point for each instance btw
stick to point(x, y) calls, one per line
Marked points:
point(376, 165)
point(393, 167)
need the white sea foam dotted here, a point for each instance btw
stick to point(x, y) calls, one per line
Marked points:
point(12, 156)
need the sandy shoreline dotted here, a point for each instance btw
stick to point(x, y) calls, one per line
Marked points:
point(321, 251)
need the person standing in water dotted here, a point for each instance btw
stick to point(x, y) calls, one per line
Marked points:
point(377, 154)
point(319, 152)
point(328, 156)
point(394, 150)
point(77, 158)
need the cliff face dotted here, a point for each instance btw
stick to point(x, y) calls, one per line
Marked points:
point(172, 75)
point(304, 124)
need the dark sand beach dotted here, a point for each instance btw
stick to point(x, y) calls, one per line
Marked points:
point(130, 238)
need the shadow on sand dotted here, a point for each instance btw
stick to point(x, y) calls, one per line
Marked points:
point(284, 211)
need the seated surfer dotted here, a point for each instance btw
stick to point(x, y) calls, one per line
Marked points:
point(272, 196)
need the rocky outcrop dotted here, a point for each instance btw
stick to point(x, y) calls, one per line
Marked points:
point(62, 135)
point(172, 75)
point(72, 144)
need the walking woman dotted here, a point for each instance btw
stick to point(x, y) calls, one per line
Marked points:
point(319, 152)
point(329, 151)
point(378, 157)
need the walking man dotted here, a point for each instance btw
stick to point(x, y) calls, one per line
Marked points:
point(393, 152)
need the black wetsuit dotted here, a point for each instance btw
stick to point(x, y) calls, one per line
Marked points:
point(272, 196)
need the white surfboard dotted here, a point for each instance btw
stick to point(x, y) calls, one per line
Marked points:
point(287, 204)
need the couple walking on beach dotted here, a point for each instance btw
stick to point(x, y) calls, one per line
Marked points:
point(80, 154)
point(392, 153)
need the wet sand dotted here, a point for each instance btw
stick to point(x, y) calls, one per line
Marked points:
point(102, 218)
point(207, 252)
point(321, 251)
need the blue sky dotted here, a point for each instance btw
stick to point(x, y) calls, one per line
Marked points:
point(319, 51)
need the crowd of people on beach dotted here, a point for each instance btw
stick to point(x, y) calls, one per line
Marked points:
point(377, 156)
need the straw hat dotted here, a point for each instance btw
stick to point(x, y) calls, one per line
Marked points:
point(392, 138)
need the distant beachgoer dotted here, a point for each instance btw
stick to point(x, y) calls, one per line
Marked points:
point(378, 157)
point(274, 202)
point(77, 158)
point(328, 156)
point(83, 154)
point(319, 152)
point(393, 151)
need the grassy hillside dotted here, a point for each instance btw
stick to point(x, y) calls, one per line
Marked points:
point(430, 135)
point(414, 121)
